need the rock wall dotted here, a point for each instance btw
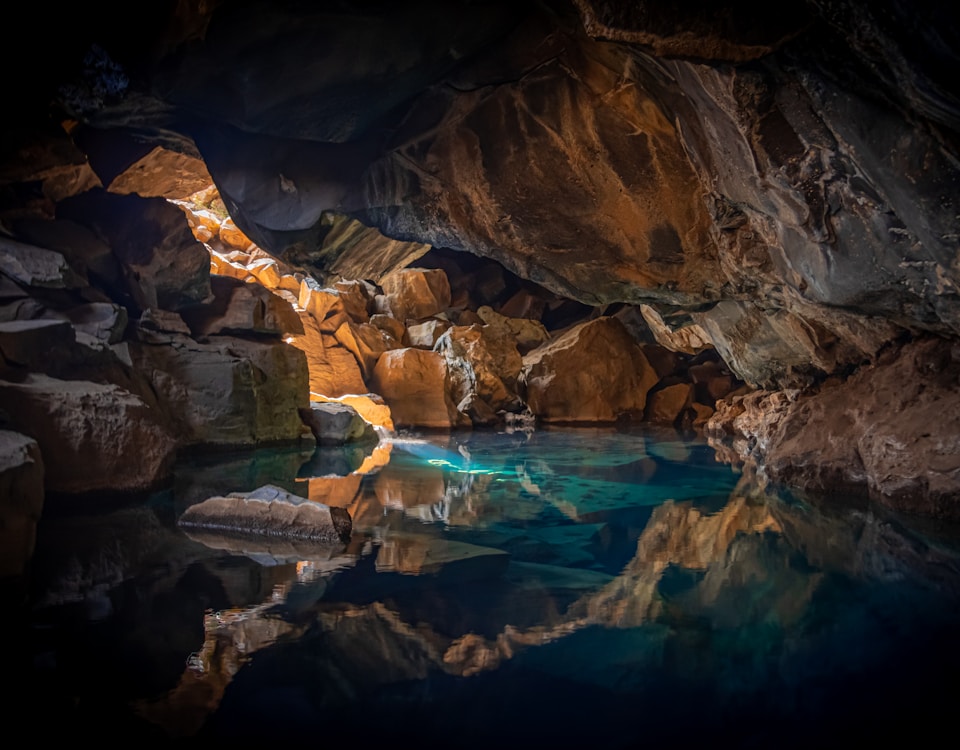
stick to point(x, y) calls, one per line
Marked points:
point(784, 181)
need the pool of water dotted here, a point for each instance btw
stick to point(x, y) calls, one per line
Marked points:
point(557, 588)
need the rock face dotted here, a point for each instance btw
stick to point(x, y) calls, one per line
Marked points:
point(892, 428)
point(780, 184)
point(92, 436)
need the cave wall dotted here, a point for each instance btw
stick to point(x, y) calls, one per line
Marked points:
point(785, 178)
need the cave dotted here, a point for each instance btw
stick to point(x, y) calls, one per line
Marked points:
point(239, 233)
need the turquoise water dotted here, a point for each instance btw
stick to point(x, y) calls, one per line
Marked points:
point(559, 588)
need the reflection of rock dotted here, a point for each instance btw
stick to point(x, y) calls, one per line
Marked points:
point(269, 511)
point(457, 561)
point(271, 550)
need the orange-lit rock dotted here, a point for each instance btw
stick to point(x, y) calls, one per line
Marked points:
point(416, 386)
point(415, 293)
point(666, 405)
point(595, 372)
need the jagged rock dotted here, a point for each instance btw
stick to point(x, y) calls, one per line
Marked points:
point(160, 173)
point(166, 266)
point(228, 391)
point(353, 250)
point(528, 334)
point(357, 299)
point(92, 436)
point(336, 423)
point(416, 386)
point(891, 430)
point(334, 371)
point(21, 490)
point(232, 236)
point(415, 293)
point(269, 511)
point(238, 307)
point(323, 304)
point(690, 338)
point(481, 367)
point(424, 335)
point(36, 266)
point(366, 342)
point(595, 372)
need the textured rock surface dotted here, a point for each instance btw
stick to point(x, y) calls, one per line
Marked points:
point(230, 391)
point(336, 423)
point(782, 181)
point(892, 428)
point(91, 436)
point(269, 511)
point(595, 372)
point(416, 386)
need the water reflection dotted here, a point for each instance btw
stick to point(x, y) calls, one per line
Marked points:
point(559, 586)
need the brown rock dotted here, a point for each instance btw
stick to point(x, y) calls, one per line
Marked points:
point(91, 436)
point(667, 404)
point(595, 372)
point(392, 326)
point(415, 384)
point(270, 511)
point(366, 342)
point(416, 293)
point(336, 423)
point(333, 370)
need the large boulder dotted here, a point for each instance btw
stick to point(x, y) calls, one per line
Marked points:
point(891, 430)
point(595, 372)
point(335, 423)
point(228, 391)
point(416, 386)
point(92, 436)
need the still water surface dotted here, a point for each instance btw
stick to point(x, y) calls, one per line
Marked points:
point(558, 588)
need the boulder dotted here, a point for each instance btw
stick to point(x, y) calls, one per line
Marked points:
point(92, 436)
point(665, 406)
point(528, 334)
point(415, 293)
point(333, 370)
point(227, 391)
point(416, 386)
point(594, 372)
point(270, 511)
point(336, 423)
point(478, 370)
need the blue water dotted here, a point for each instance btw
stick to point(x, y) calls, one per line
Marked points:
point(557, 588)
